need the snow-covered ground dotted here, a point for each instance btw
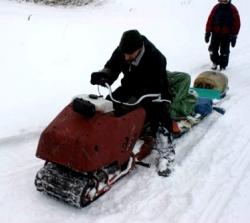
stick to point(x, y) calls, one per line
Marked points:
point(47, 55)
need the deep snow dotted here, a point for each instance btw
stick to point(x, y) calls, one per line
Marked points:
point(47, 55)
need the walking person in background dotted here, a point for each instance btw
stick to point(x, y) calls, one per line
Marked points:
point(222, 26)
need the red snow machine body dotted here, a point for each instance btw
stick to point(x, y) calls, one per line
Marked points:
point(88, 144)
point(86, 155)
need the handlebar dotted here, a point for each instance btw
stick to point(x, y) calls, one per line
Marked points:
point(157, 97)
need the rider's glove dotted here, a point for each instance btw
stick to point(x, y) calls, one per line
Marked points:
point(99, 78)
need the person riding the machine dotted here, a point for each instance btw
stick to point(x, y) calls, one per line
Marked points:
point(144, 69)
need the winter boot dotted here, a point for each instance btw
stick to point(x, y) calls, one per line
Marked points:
point(214, 66)
point(222, 68)
point(224, 61)
point(164, 145)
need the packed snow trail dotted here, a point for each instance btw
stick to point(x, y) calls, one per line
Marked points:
point(61, 47)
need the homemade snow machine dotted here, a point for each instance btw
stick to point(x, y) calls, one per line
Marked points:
point(87, 148)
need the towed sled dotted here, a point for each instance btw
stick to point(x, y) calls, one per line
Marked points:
point(87, 148)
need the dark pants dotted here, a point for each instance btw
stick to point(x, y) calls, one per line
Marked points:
point(156, 113)
point(219, 49)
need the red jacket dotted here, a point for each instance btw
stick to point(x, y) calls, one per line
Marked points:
point(223, 19)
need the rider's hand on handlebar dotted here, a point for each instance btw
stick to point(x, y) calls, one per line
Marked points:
point(103, 82)
point(99, 78)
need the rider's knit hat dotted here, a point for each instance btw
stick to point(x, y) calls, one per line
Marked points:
point(131, 41)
